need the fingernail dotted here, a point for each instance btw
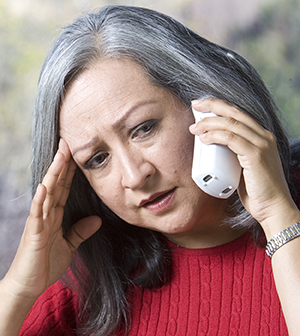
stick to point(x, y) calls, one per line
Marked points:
point(56, 155)
point(39, 188)
point(192, 127)
point(196, 102)
point(60, 142)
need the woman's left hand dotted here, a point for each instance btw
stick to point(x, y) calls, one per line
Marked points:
point(263, 189)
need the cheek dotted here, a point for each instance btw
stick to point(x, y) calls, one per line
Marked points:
point(182, 152)
point(188, 148)
point(114, 198)
point(107, 189)
point(108, 192)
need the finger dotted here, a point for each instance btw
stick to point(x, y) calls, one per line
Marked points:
point(35, 218)
point(235, 122)
point(238, 144)
point(67, 183)
point(223, 109)
point(249, 150)
point(65, 179)
point(228, 124)
point(50, 180)
point(64, 148)
point(232, 128)
point(82, 230)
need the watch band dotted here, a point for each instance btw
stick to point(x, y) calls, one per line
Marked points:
point(282, 238)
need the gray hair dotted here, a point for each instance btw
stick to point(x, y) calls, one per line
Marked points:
point(173, 56)
point(191, 68)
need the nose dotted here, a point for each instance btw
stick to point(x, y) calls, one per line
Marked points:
point(135, 170)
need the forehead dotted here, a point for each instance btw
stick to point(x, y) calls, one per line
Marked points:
point(102, 95)
point(108, 84)
point(110, 80)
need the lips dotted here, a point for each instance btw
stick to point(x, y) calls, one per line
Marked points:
point(159, 202)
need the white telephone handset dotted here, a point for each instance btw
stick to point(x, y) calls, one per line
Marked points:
point(216, 169)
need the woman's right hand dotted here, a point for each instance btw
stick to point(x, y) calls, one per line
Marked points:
point(44, 254)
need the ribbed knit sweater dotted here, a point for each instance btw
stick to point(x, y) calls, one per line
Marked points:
point(224, 290)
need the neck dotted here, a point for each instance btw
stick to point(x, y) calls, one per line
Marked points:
point(205, 238)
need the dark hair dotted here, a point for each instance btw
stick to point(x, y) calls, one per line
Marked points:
point(189, 66)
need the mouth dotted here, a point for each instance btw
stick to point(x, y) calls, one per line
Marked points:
point(159, 202)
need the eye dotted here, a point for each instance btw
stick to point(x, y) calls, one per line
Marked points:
point(96, 161)
point(144, 129)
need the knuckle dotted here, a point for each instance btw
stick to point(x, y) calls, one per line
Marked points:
point(269, 141)
point(232, 122)
point(61, 182)
point(33, 214)
point(56, 205)
point(71, 244)
point(271, 137)
point(51, 192)
point(230, 137)
point(265, 145)
point(261, 149)
point(68, 185)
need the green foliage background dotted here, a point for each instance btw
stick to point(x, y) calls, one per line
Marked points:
point(272, 45)
point(266, 32)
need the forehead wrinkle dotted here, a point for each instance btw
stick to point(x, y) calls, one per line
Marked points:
point(76, 106)
point(79, 90)
point(92, 142)
point(82, 107)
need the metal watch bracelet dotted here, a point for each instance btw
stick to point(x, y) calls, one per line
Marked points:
point(282, 238)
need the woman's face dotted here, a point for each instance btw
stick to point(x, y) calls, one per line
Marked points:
point(131, 140)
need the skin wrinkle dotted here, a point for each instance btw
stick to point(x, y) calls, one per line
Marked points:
point(188, 66)
point(116, 93)
point(118, 125)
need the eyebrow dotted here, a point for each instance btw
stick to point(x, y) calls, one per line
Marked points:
point(118, 124)
point(91, 143)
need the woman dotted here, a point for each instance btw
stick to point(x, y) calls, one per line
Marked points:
point(115, 98)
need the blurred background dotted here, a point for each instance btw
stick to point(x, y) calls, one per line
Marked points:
point(266, 32)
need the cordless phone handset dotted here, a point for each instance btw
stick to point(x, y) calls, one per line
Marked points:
point(216, 169)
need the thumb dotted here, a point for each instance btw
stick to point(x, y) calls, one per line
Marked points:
point(82, 230)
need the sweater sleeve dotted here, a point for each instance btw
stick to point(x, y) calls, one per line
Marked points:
point(54, 313)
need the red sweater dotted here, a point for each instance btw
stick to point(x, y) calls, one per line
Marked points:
point(225, 290)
